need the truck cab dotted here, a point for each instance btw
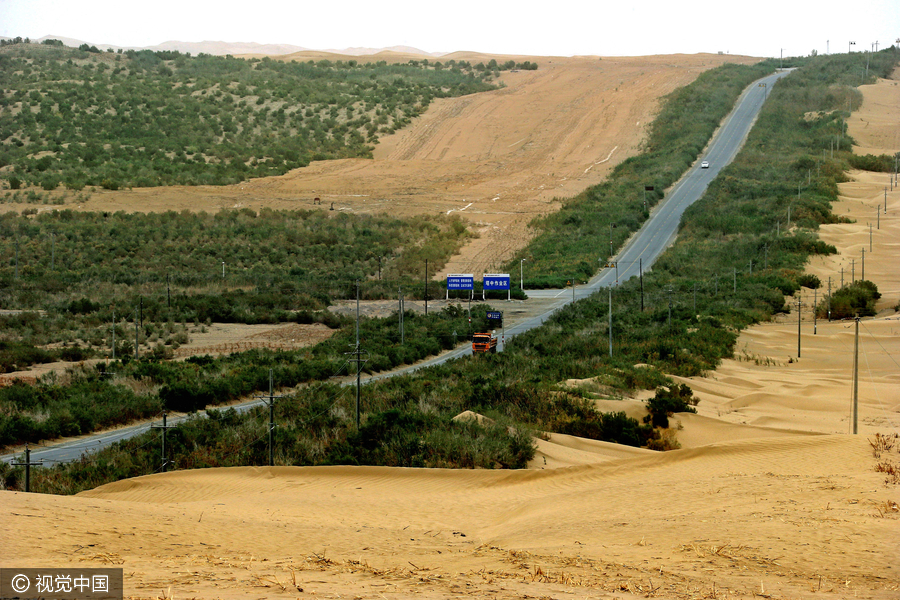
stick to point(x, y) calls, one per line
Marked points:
point(482, 343)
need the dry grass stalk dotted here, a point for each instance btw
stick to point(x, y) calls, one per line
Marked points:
point(110, 558)
point(891, 469)
point(882, 444)
point(886, 509)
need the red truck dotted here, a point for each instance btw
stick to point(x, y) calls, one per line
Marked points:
point(482, 343)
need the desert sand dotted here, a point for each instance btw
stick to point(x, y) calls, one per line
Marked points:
point(769, 497)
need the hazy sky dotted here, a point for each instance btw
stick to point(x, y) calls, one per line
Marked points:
point(555, 27)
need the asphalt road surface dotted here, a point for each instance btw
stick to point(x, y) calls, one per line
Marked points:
point(642, 250)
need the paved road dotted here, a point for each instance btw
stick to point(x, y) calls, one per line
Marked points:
point(658, 232)
point(642, 250)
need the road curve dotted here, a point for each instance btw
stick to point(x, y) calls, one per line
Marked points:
point(642, 250)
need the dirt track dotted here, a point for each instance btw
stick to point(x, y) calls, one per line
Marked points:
point(498, 158)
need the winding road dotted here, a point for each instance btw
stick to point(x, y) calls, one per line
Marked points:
point(641, 251)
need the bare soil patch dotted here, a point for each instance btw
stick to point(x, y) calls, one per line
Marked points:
point(225, 338)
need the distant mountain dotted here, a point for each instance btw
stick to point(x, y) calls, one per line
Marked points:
point(222, 48)
point(397, 49)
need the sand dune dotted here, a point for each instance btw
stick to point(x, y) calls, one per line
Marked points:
point(782, 516)
point(565, 451)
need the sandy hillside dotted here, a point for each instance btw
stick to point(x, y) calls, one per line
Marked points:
point(497, 158)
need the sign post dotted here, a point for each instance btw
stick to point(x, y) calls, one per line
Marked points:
point(496, 281)
point(647, 188)
point(493, 317)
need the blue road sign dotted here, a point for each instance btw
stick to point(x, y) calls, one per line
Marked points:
point(460, 282)
point(496, 281)
point(494, 315)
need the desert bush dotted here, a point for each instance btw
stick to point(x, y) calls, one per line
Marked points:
point(882, 163)
point(854, 300)
point(808, 280)
point(668, 401)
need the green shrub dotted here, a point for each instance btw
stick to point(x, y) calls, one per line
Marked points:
point(854, 300)
point(882, 163)
point(810, 281)
point(668, 401)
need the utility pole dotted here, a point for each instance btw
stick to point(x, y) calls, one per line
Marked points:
point(114, 336)
point(271, 403)
point(521, 275)
point(863, 274)
point(28, 464)
point(358, 362)
point(815, 308)
point(852, 271)
point(136, 351)
point(670, 306)
point(400, 311)
point(829, 299)
point(798, 325)
point(163, 427)
point(271, 421)
point(855, 409)
point(357, 351)
point(610, 241)
point(610, 321)
point(641, 273)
